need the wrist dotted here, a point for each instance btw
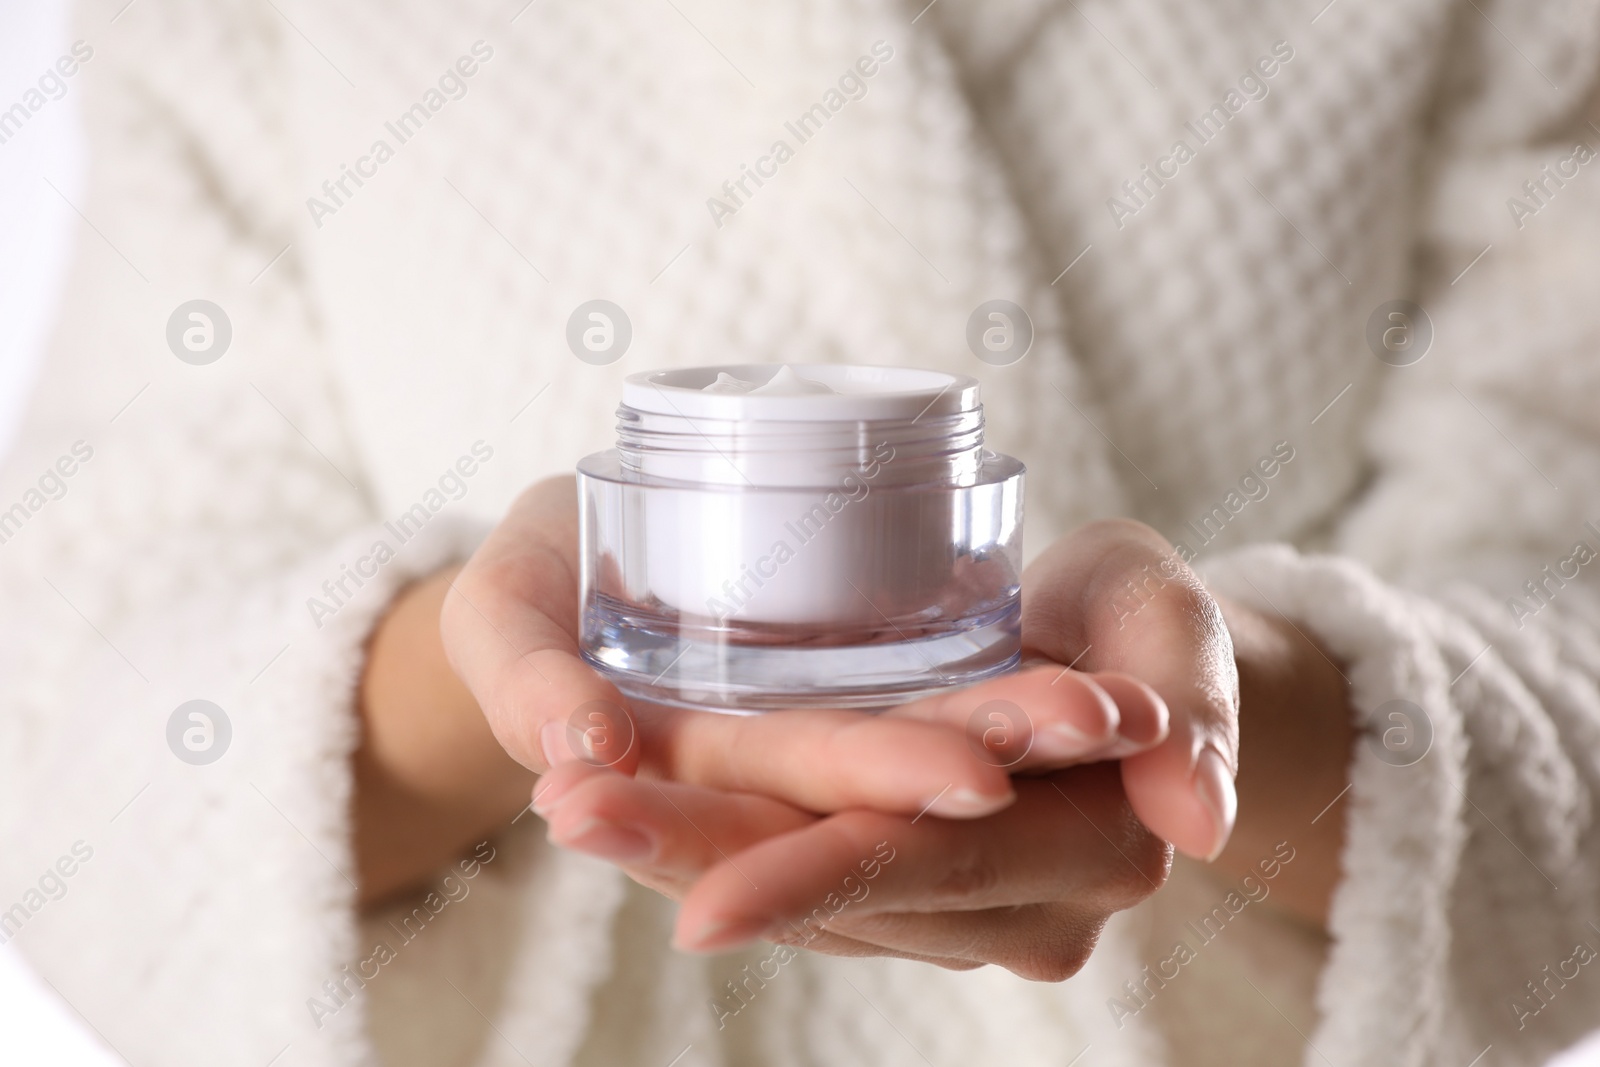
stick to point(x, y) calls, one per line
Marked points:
point(430, 777)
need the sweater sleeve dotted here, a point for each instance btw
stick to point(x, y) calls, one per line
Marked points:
point(1464, 604)
point(188, 523)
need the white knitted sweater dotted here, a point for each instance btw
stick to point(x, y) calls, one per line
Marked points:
point(1185, 325)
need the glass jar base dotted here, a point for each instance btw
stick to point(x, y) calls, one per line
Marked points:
point(658, 659)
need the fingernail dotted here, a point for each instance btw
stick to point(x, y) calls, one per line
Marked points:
point(553, 743)
point(1062, 740)
point(719, 935)
point(1142, 731)
point(546, 796)
point(609, 840)
point(1213, 784)
point(1121, 748)
point(967, 803)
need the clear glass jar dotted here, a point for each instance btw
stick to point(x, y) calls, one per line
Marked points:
point(771, 537)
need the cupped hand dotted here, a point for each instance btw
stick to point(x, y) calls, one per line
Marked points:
point(510, 629)
point(698, 804)
point(1029, 887)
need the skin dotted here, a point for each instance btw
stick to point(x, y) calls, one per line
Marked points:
point(1132, 753)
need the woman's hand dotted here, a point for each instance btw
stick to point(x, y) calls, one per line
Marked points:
point(433, 774)
point(509, 626)
point(1028, 887)
point(697, 804)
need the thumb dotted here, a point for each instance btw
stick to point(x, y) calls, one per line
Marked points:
point(1183, 791)
point(1116, 596)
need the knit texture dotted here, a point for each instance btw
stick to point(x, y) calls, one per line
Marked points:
point(1187, 327)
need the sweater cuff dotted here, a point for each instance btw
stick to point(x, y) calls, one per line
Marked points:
point(310, 788)
point(223, 894)
point(1404, 832)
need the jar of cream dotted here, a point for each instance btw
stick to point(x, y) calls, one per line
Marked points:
point(767, 537)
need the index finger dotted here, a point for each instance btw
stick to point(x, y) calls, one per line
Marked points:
point(1046, 717)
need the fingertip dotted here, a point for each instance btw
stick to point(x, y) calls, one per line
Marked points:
point(1047, 715)
point(618, 843)
point(557, 786)
point(1192, 805)
point(1213, 786)
point(722, 911)
point(968, 803)
point(930, 767)
point(553, 745)
point(1145, 720)
point(597, 811)
point(1095, 712)
point(717, 935)
point(599, 733)
point(547, 792)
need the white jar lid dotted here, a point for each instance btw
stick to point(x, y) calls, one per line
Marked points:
point(847, 393)
point(767, 425)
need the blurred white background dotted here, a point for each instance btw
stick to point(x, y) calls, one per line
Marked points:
point(35, 222)
point(36, 1028)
